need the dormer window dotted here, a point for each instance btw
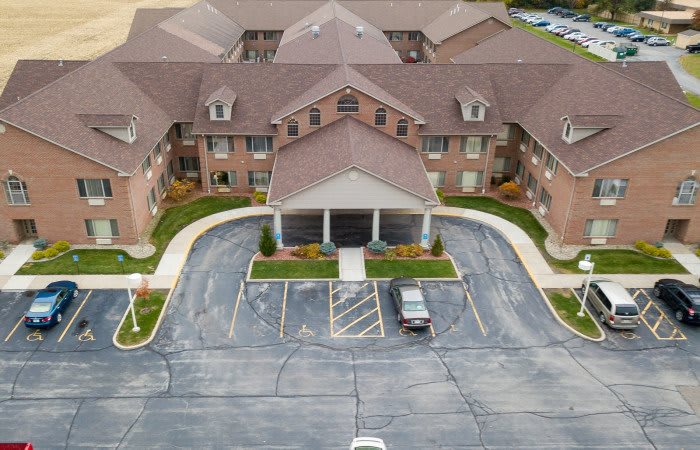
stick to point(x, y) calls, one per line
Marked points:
point(473, 105)
point(567, 131)
point(132, 131)
point(219, 111)
point(120, 126)
point(577, 127)
point(475, 111)
point(220, 103)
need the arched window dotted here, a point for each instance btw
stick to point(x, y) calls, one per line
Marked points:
point(686, 192)
point(348, 104)
point(292, 128)
point(315, 117)
point(402, 128)
point(380, 117)
point(16, 191)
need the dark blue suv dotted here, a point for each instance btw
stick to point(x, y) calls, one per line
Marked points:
point(50, 303)
point(683, 299)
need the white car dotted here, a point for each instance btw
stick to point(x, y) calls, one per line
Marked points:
point(658, 41)
point(367, 443)
point(570, 36)
point(554, 26)
point(616, 27)
point(533, 19)
point(576, 37)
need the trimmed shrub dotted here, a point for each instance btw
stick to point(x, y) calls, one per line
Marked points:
point(440, 196)
point(61, 246)
point(327, 248)
point(39, 254)
point(390, 254)
point(377, 246)
point(438, 247)
point(308, 251)
point(267, 245)
point(180, 189)
point(697, 253)
point(260, 197)
point(509, 190)
point(652, 250)
point(409, 250)
point(40, 244)
point(2, 254)
point(50, 252)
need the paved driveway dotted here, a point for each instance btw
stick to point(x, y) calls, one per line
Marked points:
point(311, 365)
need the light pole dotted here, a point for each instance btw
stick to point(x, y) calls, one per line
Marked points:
point(587, 266)
point(133, 280)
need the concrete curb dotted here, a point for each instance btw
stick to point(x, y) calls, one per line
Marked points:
point(597, 323)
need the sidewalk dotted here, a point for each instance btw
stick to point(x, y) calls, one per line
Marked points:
point(16, 259)
point(352, 264)
point(685, 257)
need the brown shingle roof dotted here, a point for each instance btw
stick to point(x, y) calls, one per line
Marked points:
point(224, 94)
point(269, 15)
point(145, 18)
point(31, 75)
point(465, 95)
point(655, 74)
point(399, 15)
point(459, 17)
point(345, 143)
point(106, 120)
point(593, 120)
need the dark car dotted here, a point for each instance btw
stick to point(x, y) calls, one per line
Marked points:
point(683, 299)
point(636, 37)
point(568, 15)
point(409, 302)
point(582, 18)
point(554, 10)
point(50, 303)
point(693, 48)
point(606, 26)
point(599, 24)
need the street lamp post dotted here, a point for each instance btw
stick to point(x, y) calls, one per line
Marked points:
point(133, 280)
point(585, 265)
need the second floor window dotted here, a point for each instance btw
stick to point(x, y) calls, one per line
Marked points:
point(151, 198)
point(315, 117)
point(519, 169)
point(395, 35)
point(94, 188)
point(687, 191)
point(525, 138)
point(402, 128)
point(380, 117)
point(16, 191)
point(219, 144)
point(270, 35)
point(414, 35)
point(156, 151)
point(435, 144)
point(292, 128)
point(531, 183)
point(183, 131)
point(250, 36)
point(538, 150)
point(258, 144)
point(146, 164)
point(609, 188)
point(545, 199)
point(348, 104)
point(189, 164)
point(552, 163)
point(473, 144)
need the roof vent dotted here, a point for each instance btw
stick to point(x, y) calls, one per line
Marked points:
point(315, 31)
point(164, 58)
point(60, 63)
point(359, 31)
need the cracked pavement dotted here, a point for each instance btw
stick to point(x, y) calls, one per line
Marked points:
point(525, 382)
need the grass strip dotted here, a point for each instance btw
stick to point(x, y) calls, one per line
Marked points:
point(412, 268)
point(561, 42)
point(693, 99)
point(147, 312)
point(301, 269)
point(567, 305)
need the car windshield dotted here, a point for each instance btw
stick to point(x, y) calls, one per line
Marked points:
point(626, 310)
point(40, 307)
point(413, 306)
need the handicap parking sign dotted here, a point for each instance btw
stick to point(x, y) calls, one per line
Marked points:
point(75, 258)
point(278, 236)
point(425, 235)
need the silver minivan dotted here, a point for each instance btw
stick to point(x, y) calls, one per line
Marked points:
point(614, 305)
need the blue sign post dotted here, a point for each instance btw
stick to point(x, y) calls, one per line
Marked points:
point(76, 258)
point(278, 236)
point(120, 258)
point(425, 236)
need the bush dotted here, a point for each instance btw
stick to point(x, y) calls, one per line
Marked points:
point(509, 190)
point(61, 246)
point(697, 252)
point(260, 197)
point(440, 196)
point(377, 246)
point(180, 189)
point(409, 250)
point(390, 254)
point(327, 248)
point(438, 247)
point(50, 252)
point(2, 254)
point(267, 245)
point(652, 250)
point(39, 254)
point(308, 251)
point(40, 244)
point(143, 291)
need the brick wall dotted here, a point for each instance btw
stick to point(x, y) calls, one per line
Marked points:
point(466, 39)
point(404, 45)
point(260, 45)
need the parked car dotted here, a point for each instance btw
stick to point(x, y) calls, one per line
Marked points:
point(367, 443)
point(613, 28)
point(411, 309)
point(658, 41)
point(572, 36)
point(513, 11)
point(624, 32)
point(649, 36)
point(554, 26)
point(554, 10)
point(541, 23)
point(693, 48)
point(569, 14)
point(50, 303)
point(683, 299)
point(566, 31)
point(614, 305)
point(600, 24)
point(607, 26)
point(583, 39)
point(582, 18)
point(600, 42)
point(532, 20)
point(636, 37)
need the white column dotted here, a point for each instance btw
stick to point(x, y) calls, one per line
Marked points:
point(278, 227)
point(425, 233)
point(375, 225)
point(326, 225)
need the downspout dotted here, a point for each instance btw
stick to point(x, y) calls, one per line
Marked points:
point(568, 210)
point(539, 177)
point(206, 164)
point(486, 167)
point(133, 210)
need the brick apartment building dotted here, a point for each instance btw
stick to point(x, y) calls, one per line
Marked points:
point(338, 122)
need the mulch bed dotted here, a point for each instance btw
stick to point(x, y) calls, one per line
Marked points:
point(285, 254)
point(426, 255)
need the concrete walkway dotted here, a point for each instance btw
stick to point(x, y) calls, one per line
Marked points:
point(16, 259)
point(685, 257)
point(352, 264)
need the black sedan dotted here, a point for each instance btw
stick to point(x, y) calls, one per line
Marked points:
point(683, 299)
point(409, 302)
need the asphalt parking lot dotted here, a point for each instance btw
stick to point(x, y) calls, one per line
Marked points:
point(313, 364)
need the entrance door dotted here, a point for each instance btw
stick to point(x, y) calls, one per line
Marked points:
point(26, 228)
point(676, 229)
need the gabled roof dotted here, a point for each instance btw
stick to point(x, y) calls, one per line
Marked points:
point(345, 76)
point(459, 17)
point(145, 18)
point(106, 120)
point(271, 15)
point(465, 95)
point(346, 143)
point(592, 120)
point(224, 94)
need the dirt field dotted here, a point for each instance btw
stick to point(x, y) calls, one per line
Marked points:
point(68, 29)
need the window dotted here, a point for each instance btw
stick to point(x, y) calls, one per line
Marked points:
point(395, 35)
point(380, 117)
point(219, 144)
point(151, 198)
point(610, 188)
point(402, 128)
point(531, 183)
point(270, 55)
point(183, 131)
point(508, 133)
point(270, 35)
point(166, 139)
point(520, 169)
point(146, 164)
point(545, 199)
point(538, 150)
point(413, 54)
point(219, 111)
point(259, 179)
point(132, 131)
point(250, 36)
point(16, 191)
point(435, 144)
point(251, 55)
point(664, 25)
point(414, 35)
point(161, 183)
point(292, 128)
point(473, 144)
point(437, 178)
point(189, 164)
point(687, 191)
point(171, 171)
point(223, 179)
point(258, 144)
point(315, 117)
point(600, 228)
point(348, 104)
point(156, 151)
point(501, 164)
point(470, 179)
point(475, 111)
point(525, 138)
point(102, 227)
point(567, 131)
point(552, 163)
point(94, 188)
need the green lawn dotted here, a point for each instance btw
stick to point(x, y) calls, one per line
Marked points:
point(561, 42)
point(412, 268)
point(693, 99)
point(104, 261)
point(147, 312)
point(567, 306)
point(691, 64)
point(607, 261)
point(301, 269)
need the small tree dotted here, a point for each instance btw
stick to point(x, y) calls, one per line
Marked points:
point(509, 190)
point(695, 23)
point(143, 291)
point(438, 247)
point(267, 245)
point(180, 189)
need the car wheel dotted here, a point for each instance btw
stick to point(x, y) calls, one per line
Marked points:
point(679, 315)
point(75, 293)
point(657, 292)
point(601, 317)
point(59, 318)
